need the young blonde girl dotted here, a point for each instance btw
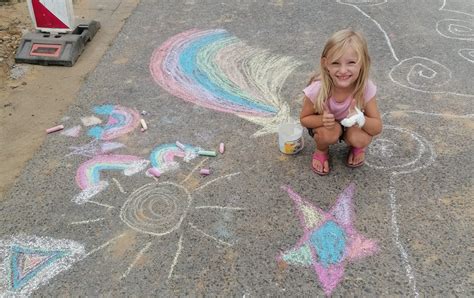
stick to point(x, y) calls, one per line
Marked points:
point(340, 103)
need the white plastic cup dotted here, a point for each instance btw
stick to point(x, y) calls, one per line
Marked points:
point(290, 138)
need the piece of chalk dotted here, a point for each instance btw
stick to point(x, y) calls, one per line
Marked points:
point(180, 146)
point(144, 126)
point(56, 128)
point(207, 153)
point(221, 148)
point(155, 172)
point(204, 171)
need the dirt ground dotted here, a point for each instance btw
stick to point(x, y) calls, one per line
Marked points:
point(14, 20)
point(33, 97)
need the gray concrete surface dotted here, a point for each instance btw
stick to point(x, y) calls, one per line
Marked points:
point(220, 235)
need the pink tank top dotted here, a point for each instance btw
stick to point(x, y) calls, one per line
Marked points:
point(339, 109)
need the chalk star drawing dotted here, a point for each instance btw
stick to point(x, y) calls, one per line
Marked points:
point(29, 262)
point(122, 120)
point(329, 240)
point(216, 70)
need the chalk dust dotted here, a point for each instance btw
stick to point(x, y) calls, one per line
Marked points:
point(36, 97)
point(120, 247)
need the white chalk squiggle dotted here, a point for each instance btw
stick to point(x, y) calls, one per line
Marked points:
point(400, 150)
point(455, 29)
point(467, 54)
point(362, 2)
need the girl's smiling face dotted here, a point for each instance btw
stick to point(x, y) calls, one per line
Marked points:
point(344, 70)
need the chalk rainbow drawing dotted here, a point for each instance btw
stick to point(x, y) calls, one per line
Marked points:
point(163, 157)
point(329, 240)
point(28, 262)
point(216, 70)
point(121, 121)
point(88, 174)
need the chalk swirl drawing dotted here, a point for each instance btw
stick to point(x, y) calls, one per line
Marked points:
point(456, 29)
point(421, 74)
point(156, 209)
point(121, 120)
point(362, 2)
point(28, 262)
point(399, 150)
point(163, 157)
point(467, 54)
point(218, 71)
point(329, 240)
point(88, 175)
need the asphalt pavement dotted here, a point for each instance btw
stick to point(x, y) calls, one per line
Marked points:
point(88, 217)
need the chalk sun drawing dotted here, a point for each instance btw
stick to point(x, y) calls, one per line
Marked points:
point(163, 157)
point(216, 70)
point(329, 239)
point(28, 262)
point(88, 176)
point(159, 209)
point(122, 120)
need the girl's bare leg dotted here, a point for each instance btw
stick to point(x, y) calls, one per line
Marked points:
point(324, 137)
point(356, 137)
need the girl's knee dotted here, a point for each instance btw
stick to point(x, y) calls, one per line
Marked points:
point(327, 136)
point(356, 137)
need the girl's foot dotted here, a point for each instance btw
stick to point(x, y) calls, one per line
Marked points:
point(320, 163)
point(356, 157)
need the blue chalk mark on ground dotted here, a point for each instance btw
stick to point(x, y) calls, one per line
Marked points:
point(330, 243)
point(21, 276)
point(104, 109)
point(300, 256)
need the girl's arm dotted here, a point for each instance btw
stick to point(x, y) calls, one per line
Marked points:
point(307, 116)
point(373, 121)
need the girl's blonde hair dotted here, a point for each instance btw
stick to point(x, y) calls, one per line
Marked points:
point(335, 47)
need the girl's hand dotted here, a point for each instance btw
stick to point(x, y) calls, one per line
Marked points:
point(328, 118)
point(355, 116)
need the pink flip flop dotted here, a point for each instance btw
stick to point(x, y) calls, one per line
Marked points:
point(321, 157)
point(355, 151)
